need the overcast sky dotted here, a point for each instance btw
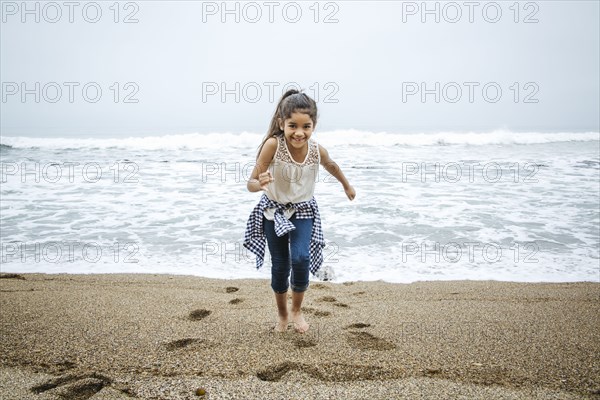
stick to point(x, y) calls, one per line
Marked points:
point(189, 66)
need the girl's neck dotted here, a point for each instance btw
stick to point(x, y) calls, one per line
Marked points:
point(297, 154)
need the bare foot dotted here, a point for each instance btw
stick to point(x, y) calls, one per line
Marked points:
point(282, 324)
point(300, 324)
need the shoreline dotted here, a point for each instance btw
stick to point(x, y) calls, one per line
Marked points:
point(312, 279)
point(164, 336)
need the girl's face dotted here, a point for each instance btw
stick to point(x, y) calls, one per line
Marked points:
point(297, 130)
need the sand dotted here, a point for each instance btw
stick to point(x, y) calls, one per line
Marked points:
point(164, 337)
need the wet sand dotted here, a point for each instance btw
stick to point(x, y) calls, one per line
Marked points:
point(165, 336)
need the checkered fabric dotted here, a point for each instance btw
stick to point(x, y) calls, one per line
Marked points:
point(255, 239)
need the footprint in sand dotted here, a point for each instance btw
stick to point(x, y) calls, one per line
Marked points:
point(198, 314)
point(231, 289)
point(181, 343)
point(357, 325)
point(331, 299)
point(327, 299)
point(302, 343)
point(5, 275)
point(315, 312)
point(366, 341)
point(276, 372)
point(331, 372)
point(76, 387)
point(235, 301)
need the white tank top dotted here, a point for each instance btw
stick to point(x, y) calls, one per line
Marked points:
point(293, 182)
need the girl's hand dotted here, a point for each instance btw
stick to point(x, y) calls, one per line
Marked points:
point(264, 179)
point(350, 192)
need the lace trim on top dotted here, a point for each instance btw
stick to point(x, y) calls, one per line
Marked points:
point(283, 154)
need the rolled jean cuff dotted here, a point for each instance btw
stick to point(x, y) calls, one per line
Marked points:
point(299, 289)
point(279, 291)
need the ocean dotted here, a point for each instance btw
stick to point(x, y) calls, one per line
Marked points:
point(438, 206)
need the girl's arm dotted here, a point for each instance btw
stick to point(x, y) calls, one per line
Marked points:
point(334, 169)
point(261, 176)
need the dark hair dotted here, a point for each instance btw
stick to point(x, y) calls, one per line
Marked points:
point(292, 101)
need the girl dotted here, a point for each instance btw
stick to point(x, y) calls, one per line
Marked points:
point(287, 214)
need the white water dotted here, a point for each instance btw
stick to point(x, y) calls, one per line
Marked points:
point(499, 205)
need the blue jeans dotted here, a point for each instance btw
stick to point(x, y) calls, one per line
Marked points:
point(290, 250)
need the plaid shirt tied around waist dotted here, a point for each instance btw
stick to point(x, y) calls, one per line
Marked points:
point(255, 239)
